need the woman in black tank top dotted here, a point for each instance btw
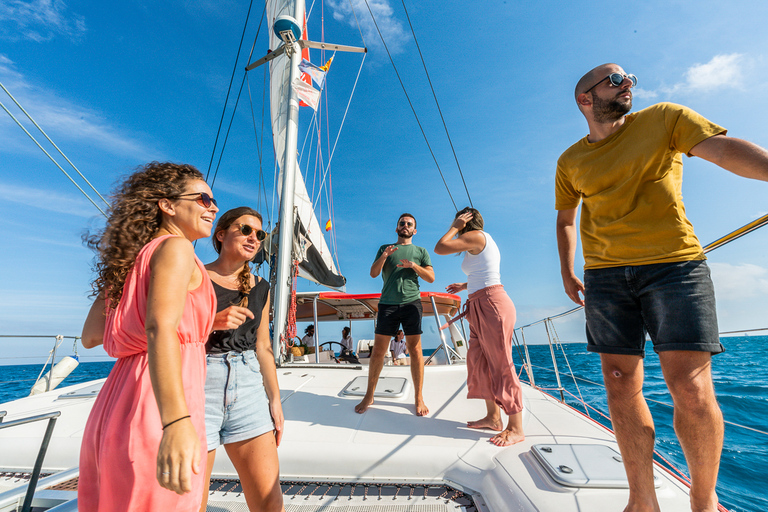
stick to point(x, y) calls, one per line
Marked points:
point(242, 408)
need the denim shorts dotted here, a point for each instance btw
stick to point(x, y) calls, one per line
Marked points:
point(674, 303)
point(391, 316)
point(236, 405)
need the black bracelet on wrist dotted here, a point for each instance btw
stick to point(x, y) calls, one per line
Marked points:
point(176, 420)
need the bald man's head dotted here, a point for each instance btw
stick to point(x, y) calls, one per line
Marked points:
point(594, 76)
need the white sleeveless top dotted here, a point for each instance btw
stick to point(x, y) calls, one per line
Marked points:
point(482, 269)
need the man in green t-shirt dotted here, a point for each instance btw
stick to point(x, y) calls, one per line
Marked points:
point(401, 265)
point(645, 271)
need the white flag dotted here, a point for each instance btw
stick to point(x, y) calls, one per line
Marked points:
point(306, 93)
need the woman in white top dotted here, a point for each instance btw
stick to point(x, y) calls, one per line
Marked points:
point(490, 370)
point(346, 339)
point(398, 349)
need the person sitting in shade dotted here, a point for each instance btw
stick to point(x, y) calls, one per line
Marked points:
point(398, 349)
point(309, 336)
point(347, 354)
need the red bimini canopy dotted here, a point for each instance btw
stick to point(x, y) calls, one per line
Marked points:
point(334, 306)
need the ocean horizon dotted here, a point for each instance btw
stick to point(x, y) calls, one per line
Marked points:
point(743, 398)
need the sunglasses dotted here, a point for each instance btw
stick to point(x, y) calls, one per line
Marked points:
point(202, 199)
point(616, 80)
point(246, 230)
point(403, 223)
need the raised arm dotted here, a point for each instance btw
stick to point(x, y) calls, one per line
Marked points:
point(738, 156)
point(95, 322)
point(173, 271)
point(378, 265)
point(566, 247)
point(472, 241)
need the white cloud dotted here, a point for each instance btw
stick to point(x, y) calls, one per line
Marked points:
point(644, 94)
point(38, 20)
point(738, 282)
point(721, 72)
point(391, 29)
point(48, 200)
point(60, 118)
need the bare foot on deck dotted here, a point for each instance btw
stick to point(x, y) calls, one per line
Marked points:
point(489, 423)
point(363, 406)
point(421, 408)
point(507, 438)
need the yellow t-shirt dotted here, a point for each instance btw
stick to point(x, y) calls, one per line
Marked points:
point(630, 186)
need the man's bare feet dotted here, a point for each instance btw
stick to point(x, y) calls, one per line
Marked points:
point(362, 406)
point(507, 438)
point(487, 422)
point(421, 408)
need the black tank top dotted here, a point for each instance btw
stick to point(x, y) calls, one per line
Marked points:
point(244, 337)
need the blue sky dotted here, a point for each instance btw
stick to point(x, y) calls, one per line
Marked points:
point(119, 84)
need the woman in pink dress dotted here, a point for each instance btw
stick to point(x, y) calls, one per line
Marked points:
point(490, 371)
point(144, 444)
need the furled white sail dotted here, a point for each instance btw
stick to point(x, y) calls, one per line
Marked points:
point(317, 264)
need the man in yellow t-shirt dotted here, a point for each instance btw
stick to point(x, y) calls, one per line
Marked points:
point(645, 270)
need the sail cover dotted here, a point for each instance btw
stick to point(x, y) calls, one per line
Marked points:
point(316, 263)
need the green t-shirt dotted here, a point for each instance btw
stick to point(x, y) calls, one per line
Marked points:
point(630, 185)
point(401, 285)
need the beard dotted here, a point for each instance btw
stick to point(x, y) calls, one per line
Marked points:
point(607, 111)
point(404, 233)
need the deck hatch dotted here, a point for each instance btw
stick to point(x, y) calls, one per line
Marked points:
point(388, 387)
point(583, 465)
point(86, 392)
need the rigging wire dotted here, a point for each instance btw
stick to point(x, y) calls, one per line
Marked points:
point(231, 81)
point(53, 160)
point(226, 137)
point(410, 103)
point(261, 187)
point(437, 103)
point(730, 237)
point(346, 111)
point(53, 144)
point(357, 21)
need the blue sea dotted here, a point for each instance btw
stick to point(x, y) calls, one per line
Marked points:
point(740, 381)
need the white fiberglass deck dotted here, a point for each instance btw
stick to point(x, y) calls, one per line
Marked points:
point(326, 441)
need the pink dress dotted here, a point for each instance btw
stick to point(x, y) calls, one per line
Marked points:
point(118, 457)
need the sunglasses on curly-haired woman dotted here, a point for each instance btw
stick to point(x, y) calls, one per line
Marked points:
point(202, 199)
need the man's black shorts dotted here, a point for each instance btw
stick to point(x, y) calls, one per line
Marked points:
point(392, 315)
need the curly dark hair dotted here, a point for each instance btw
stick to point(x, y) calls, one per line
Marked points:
point(226, 220)
point(474, 224)
point(134, 217)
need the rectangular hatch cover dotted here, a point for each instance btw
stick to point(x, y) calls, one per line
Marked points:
point(387, 387)
point(584, 465)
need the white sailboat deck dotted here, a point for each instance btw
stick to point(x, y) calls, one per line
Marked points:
point(327, 442)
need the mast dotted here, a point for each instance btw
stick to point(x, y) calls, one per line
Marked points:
point(286, 218)
point(285, 17)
